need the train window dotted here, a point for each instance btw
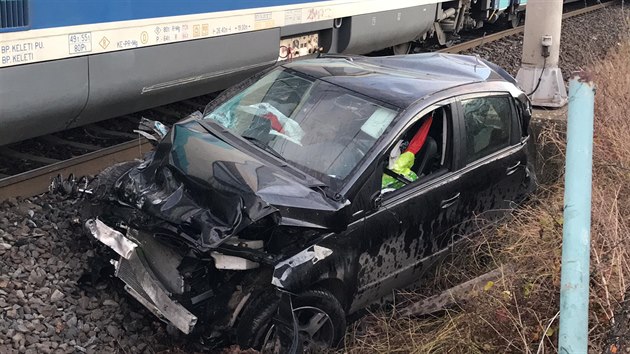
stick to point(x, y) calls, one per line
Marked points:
point(14, 14)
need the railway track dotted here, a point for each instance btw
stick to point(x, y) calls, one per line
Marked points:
point(95, 154)
point(462, 47)
point(34, 181)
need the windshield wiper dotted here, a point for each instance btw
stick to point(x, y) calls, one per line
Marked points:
point(263, 146)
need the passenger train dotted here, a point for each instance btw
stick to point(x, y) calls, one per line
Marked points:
point(66, 63)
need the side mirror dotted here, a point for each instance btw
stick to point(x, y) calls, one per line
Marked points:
point(525, 111)
point(376, 200)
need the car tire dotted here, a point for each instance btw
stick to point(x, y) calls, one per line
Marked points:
point(256, 320)
point(103, 184)
point(255, 327)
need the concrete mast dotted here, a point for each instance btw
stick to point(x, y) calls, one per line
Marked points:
point(539, 72)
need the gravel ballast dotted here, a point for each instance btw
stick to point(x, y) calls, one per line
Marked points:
point(49, 302)
point(584, 39)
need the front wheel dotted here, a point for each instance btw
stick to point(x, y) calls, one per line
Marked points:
point(321, 323)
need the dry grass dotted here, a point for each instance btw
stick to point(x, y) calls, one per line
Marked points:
point(519, 313)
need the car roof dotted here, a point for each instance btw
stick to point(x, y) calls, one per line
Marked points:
point(399, 80)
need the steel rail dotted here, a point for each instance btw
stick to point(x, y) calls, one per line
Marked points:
point(36, 181)
point(462, 47)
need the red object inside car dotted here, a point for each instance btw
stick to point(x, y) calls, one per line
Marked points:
point(418, 139)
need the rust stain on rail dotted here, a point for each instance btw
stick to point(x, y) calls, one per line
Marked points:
point(36, 181)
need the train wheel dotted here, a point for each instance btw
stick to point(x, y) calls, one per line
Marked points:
point(402, 49)
point(516, 19)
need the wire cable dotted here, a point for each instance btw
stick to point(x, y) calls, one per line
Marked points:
point(540, 77)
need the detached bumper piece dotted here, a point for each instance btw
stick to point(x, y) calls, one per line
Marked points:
point(142, 285)
point(139, 279)
point(110, 237)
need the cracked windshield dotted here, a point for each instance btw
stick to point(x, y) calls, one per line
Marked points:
point(316, 126)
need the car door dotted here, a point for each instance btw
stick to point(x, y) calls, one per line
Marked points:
point(494, 157)
point(406, 227)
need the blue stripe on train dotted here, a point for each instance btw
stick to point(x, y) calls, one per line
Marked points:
point(501, 4)
point(58, 13)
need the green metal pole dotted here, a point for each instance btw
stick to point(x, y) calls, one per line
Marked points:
point(576, 236)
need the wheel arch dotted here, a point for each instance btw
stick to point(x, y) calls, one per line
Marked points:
point(337, 288)
point(319, 267)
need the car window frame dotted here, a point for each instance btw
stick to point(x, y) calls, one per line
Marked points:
point(515, 133)
point(422, 185)
point(521, 109)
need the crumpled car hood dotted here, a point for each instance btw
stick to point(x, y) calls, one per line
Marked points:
point(200, 182)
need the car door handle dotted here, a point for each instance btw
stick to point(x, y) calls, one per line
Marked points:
point(512, 169)
point(450, 201)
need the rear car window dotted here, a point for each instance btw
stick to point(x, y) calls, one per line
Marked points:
point(488, 122)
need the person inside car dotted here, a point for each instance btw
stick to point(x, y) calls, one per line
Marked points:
point(401, 163)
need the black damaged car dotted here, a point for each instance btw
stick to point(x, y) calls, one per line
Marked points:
point(310, 191)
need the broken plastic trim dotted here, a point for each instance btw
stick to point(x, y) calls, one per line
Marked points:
point(143, 286)
point(110, 237)
point(70, 186)
point(311, 255)
point(222, 261)
point(155, 131)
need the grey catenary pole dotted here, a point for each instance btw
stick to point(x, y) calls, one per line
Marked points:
point(539, 75)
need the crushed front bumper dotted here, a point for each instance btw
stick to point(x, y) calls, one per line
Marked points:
point(140, 281)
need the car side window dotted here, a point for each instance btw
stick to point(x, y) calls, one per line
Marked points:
point(488, 122)
point(421, 152)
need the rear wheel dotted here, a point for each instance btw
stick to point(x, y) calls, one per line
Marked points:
point(320, 318)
